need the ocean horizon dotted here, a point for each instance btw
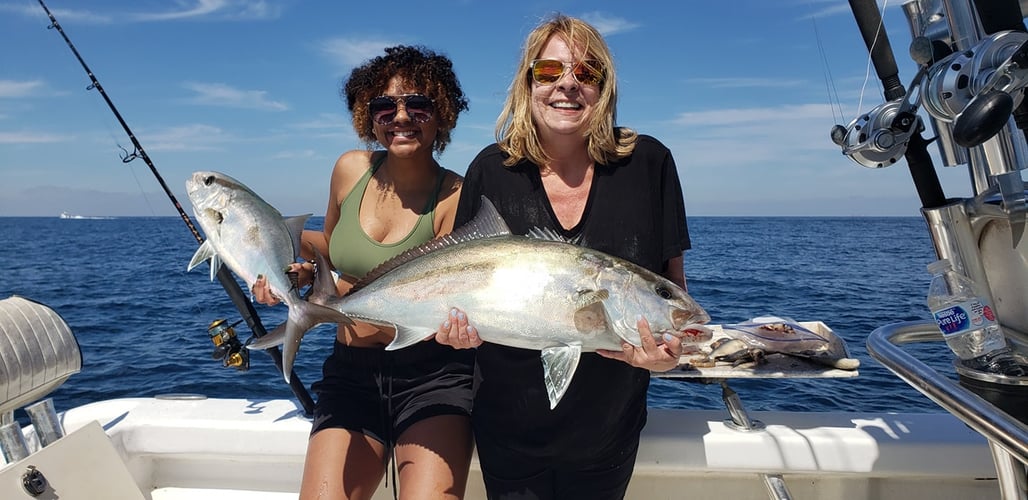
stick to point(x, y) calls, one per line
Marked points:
point(141, 319)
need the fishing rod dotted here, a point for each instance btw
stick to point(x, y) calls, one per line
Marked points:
point(225, 277)
point(922, 170)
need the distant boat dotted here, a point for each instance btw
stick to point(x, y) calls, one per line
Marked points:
point(66, 215)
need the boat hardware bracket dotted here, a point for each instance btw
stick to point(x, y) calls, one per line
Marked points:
point(740, 420)
point(34, 481)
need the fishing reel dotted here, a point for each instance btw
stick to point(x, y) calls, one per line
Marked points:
point(978, 89)
point(879, 138)
point(227, 346)
point(973, 91)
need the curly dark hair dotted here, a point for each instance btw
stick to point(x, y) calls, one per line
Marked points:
point(417, 66)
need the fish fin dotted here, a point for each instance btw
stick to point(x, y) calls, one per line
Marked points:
point(269, 340)
point(487, 223)
point(295, 226)
point(293, 334)
point(303, 316)
point(407, 336)
point(545, 233)
point(215, 266)
point(205, 252)
point(324, 288)
point(591, 316)
point(587, 297)
point(559, 365)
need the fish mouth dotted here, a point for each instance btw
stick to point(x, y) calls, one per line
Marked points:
point(688, 326)
point(682, 318)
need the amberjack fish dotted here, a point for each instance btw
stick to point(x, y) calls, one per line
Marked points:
point(252, 238)
point(534, 292)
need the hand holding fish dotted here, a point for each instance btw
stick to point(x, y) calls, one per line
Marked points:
point(262, 293)
point(650, 355)
point(457, 333)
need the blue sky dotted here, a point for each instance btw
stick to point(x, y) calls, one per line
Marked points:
point(743, 93)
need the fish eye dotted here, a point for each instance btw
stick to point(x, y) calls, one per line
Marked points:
point(664, 292)
point(207, 181)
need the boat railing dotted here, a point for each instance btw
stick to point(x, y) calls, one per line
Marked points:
point(1007, 436)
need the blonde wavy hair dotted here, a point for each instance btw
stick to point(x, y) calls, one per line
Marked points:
point(515, 129)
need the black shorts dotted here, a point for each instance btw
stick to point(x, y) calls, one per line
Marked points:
point(382, 393)
point(510, 476)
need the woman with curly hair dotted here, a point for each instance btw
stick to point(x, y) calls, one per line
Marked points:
point(411, 405)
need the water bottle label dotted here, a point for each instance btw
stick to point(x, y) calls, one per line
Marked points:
point(959, 318)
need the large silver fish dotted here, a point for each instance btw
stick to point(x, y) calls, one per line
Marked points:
point(534, 292)
point(252, 238)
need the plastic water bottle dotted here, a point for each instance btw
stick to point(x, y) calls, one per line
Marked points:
point(968, 321)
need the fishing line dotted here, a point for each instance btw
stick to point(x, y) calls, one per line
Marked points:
point(833, 93)
point(112, 138)
point(138, 148)
point(870, 50)
point(225, 277)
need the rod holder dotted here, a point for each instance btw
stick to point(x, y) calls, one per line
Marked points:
point(12, 442)
point(45, 422)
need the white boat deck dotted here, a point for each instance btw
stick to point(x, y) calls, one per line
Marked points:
point(201, 449)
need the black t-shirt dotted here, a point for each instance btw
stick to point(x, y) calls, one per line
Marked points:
point(635, 211)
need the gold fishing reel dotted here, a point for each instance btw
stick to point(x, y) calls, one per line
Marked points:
point(227, 346)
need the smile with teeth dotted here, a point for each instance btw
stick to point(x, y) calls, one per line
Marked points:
point(566, 105)
point(404, 133)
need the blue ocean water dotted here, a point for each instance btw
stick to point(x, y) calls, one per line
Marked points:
point(141, 319)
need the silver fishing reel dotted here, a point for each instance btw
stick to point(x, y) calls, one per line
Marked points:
point(879, 138)
point(977, 89)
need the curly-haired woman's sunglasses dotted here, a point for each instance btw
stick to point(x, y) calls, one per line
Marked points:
point(548, 71)
point(383, 108)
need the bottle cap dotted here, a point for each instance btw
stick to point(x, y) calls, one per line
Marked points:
point(939, 266)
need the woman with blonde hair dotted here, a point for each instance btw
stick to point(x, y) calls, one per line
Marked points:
point(561, 163)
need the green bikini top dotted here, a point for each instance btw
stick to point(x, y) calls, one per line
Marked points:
point(353, 252)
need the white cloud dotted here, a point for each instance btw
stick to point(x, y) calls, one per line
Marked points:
point(196, 137)
point(608, 25)
point(738, 83)
point(183, 9)
point(304, 154)
point(12, 88)
point(220, 94)
point(79, 16)
point(29, 138)
point(221, 9)
point(351, 52)
point(758, 116)
point(324, 121)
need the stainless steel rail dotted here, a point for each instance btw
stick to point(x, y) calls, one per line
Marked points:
point(1002, 430)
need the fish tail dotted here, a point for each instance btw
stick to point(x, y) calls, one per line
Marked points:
point(303, 316)
point(296, 327)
